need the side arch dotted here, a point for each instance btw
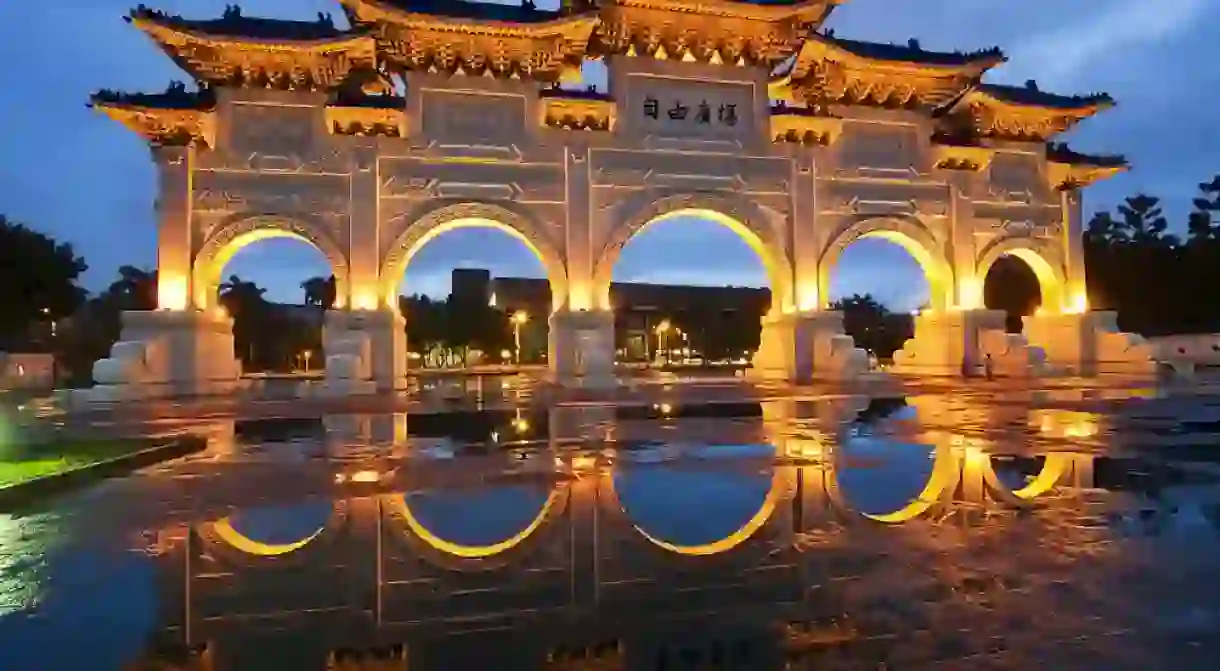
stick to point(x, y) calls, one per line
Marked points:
point(1050, 275)
point(452, 216)
point(743, 217)
point(223, 538)
point(907, 232)
point(233, 236)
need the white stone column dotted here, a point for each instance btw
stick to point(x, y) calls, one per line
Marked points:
point(175, 172)
point(582, 348)
point(1075, 290)
point(364, 233)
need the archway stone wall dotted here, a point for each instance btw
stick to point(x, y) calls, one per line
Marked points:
point(472, 150)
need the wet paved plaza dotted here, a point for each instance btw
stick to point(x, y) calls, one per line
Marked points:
point(989, 528)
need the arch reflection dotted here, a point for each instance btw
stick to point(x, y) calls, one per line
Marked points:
point(437, 509)
point(275, 531)
point(735, 502)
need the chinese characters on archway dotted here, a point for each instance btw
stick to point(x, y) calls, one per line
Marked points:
point(701, 113)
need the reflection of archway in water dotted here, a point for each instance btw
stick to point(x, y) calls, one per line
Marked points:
point(272, 531)
point(878, 477)
point(698, 508)
point(1012, 480)
point(477, 523)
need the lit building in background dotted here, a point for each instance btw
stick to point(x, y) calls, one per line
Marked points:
point(715, 317)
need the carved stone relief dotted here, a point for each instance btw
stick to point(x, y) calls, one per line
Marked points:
point(272, 130)
point(682, 170)
point(876, 148)
point(320, 196)
point(453, 117)
point(876, 198)
point(1017, 177)
point(523, 182)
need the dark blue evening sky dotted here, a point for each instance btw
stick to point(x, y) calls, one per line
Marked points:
point(85, 179)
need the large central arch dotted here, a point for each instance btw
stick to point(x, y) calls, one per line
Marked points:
point(742, 217)
point(907, 232)
point(235, 235)
point(472, 215)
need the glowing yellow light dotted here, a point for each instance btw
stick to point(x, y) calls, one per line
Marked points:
point(506, 355)
point(663, 326)
point(1077, 304)
point(365, 476)
point(520, 317)
point(808, 293)
point(521, 425)
point(971, 290)
point(666, 408)
point(171, 291)
point(364, 300)
point(225, 531)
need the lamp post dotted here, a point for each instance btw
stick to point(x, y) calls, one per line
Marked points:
point(519, 318)
point(662, 330)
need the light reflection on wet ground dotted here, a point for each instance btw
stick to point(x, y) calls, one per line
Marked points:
point(636, 536)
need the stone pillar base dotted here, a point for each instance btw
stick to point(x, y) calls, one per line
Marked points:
point(366, 352)
point(955, 342)
point(581, 349)
point(1090, 344)
point(802, 346)
point(166, 354)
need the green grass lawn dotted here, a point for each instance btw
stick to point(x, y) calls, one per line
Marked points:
point(27, 462)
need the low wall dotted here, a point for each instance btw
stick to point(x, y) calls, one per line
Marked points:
point(1201, 349)
point(26, 371)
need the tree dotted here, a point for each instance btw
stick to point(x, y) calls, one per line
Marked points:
point(872, 325)
point(1144, 222)
point(136, 289)
point(320, 291)
point(1202, 225)
point(245, 304)
point(38, 279)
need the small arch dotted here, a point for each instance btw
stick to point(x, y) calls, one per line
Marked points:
point(742, 217)
point(473, 215)
point(235, 235)
point(1050, 276)
point(910, 234)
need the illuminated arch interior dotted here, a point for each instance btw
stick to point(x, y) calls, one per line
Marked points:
point(555, 272)
point(235, 530)
point(1050, 285)
point(398, 506)
point(759, 494)
point(936, 274)
point(210, 271)
point(772, 260)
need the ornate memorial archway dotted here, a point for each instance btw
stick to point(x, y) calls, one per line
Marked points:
point(295, 131)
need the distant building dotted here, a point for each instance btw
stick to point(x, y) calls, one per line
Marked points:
point(714, 318)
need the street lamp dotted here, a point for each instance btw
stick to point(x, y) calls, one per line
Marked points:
point(662, 330)
point(519, 318)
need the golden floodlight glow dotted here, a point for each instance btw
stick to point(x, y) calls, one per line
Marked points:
point(971, 294)
point(171, 290)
